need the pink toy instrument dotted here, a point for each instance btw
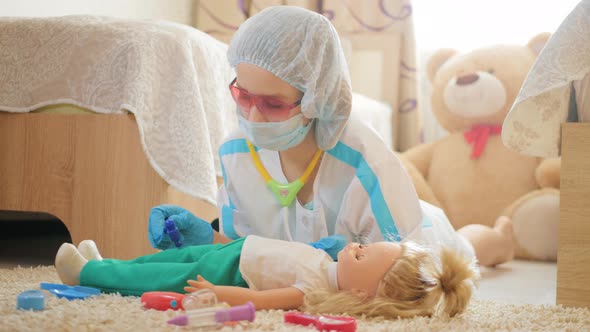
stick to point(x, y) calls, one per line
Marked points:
point(322, 323)
point(215, 316)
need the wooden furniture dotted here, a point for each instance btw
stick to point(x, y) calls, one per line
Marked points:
point(573, 261)
point(89, 171)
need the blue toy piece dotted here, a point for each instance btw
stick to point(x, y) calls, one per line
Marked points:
point(31, 300)
point(70, 292)
point(173, 232)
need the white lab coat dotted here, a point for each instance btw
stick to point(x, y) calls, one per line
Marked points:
point(361, 191)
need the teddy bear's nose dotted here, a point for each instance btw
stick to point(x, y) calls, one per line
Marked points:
point(467, 79)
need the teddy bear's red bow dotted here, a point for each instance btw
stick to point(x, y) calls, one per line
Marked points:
point(478, 136)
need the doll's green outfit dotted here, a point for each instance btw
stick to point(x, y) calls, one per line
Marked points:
point(252, 262)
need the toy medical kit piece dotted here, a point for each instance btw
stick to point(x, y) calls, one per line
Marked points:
point(70, 292)
point(215, 315)
point(173, 232)
point(31, 300)
point(322, 323)
point(203, 298)
point(285, 193)
point(162, 300)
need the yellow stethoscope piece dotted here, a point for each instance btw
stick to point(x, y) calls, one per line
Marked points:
point(285, 193)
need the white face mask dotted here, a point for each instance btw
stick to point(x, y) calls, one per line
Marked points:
point(277, 136)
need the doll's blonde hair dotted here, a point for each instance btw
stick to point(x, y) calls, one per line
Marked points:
point(415, 285)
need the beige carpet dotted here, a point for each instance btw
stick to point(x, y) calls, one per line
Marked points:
point(116, 313)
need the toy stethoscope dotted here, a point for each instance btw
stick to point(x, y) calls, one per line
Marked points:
point(285, 193)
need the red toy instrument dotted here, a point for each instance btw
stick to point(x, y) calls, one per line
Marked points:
point(322, 323)
point(162, 300)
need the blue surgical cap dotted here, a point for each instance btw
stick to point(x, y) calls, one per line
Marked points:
point(302, 48)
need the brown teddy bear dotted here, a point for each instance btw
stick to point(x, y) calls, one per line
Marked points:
point(470, 174)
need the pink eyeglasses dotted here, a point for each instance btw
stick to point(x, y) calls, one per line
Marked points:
point(272, 108)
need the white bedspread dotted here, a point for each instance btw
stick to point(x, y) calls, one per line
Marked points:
point(173, 78)
point(533, 125)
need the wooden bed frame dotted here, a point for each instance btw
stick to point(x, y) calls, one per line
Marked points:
point(573, 259)
point(89, 171)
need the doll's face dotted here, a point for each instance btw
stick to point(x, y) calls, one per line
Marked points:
point(361, 267)
point(260, 82)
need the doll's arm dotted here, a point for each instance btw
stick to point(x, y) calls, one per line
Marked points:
point(282, 298)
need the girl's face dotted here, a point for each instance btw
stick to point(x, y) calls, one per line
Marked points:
point(361, 267)
point(262, 83)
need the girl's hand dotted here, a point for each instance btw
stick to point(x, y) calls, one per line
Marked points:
point(195, 231)
point(331, 245)
point(200, 283)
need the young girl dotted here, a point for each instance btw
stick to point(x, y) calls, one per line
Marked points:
point(298, 169)
point(380, 279)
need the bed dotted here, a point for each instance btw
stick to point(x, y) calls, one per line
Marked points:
point(573, 263)
point(107, 118)
point(83, 136)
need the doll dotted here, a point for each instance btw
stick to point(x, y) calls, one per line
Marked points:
point(380, 279)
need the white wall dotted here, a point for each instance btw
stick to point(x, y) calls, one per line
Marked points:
point(179, 11)
point(469, 24)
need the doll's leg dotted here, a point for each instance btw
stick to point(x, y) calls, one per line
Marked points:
point(88, 250)
point(164, 271)
point(492, 246)
point(186, 254)
point(68, 263)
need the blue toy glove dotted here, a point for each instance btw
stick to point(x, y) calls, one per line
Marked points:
point(193, 230)
point(331, 245)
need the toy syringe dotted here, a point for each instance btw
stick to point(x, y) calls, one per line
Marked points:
point(173, 232)
point(215, 315)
